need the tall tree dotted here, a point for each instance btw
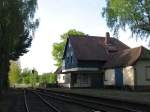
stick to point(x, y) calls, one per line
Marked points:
point(58, 48)
point(26, 76)
point(47, 78)
point(34, 77)
point(53, 78)
point(132, 14)
point(14, 72)
point(17, 26)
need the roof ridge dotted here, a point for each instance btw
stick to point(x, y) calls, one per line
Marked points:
point(124, 50)
point(71, 36)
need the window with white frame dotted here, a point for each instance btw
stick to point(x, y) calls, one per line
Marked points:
point(71, 55)
point(69, 45)
point(63, 77)
point(63, 65)
point(147, 72)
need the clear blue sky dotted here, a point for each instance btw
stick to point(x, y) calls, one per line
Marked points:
point(56, 18)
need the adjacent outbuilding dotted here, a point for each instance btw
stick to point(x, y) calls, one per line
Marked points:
point(129, 68)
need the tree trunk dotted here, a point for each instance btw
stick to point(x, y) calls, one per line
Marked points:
point(4, 69)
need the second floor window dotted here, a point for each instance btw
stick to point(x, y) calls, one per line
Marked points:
point(71, 55)
point(71, 60)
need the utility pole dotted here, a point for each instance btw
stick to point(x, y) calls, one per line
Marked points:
point(33, 71)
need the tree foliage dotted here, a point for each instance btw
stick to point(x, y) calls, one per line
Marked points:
point(134, 14)
point(27, 77)
point(53, 78)
point(14, 73)
point(17, 26)
point(47, 78)
point(58, 48)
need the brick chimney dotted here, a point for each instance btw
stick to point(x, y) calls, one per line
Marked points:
point(107, 39)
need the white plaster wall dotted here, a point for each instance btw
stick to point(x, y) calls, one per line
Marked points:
point(66, 85)
point(109, 77)
point(60, 78)
point(128, 76)
point(140, 73)
point(63, 78)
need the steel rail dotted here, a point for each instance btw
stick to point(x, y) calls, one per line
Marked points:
point(93, 109)
point(25, 101)
point(97, 103)
point(46, 102)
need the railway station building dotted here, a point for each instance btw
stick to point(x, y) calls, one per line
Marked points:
point(103, 62)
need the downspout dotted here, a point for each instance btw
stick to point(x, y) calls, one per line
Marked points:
point(135, 78)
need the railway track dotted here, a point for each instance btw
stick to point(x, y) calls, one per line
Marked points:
point(43, 100)
point(95, 105)
point(36, 103)
point(71, 105)
point(32, 100)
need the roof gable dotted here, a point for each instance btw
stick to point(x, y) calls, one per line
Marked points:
point(65, 49)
